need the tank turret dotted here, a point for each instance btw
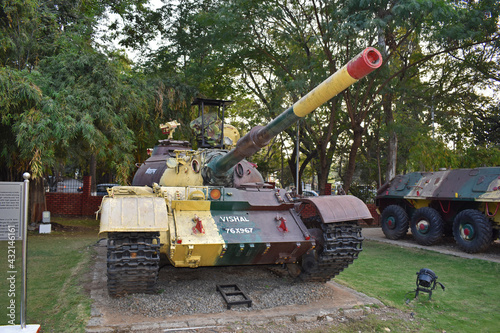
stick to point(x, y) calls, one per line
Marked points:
point(210, 206)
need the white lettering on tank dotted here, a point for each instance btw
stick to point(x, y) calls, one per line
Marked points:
point(233, 218)
point(150, 171)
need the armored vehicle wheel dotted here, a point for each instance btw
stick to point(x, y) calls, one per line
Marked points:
point(395, 222)
point(339, 244)
point(472, 231)
point(133, 260)
point(426, 226)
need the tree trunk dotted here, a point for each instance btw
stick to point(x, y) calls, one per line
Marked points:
point(292, 162)
point(323, 169)
point(37, 199)
point(392, 148)
point(93, 172)
point(351, 165)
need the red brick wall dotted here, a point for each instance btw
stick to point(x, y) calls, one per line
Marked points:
point(308, 210)
point(328, 189)
point(375, 215)
point(78, 204)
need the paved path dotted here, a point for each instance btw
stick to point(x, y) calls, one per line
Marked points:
point(446, 246)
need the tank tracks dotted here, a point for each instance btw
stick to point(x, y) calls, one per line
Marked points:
point(342, 244)
point(133, 258)
point(133, 262)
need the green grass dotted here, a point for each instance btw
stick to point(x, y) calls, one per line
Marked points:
point(58, 268)
point(88, 222)
point(470, 303)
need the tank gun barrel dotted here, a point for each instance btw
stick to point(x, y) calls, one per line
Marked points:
point(360, 66)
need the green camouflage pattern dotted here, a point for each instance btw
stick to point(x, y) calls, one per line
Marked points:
point(465, 201)
point(212, 125)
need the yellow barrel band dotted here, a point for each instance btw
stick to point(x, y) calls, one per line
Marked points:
point(332, 86)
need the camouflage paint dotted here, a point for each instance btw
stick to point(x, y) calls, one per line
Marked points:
point(154, 168)
point(461, 188)
point(241, 228)
point(218, 210)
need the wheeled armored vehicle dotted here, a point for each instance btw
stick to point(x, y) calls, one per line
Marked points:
point(211, 207)
point(464, 202)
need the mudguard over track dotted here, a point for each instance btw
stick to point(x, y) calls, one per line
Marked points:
point(336, 224)
point(339, 208)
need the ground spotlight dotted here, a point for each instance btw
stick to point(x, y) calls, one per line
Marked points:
point(426, 282)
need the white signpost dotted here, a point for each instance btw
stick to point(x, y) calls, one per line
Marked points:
point(14, 227)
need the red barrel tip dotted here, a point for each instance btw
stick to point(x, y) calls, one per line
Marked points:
point(364, 63)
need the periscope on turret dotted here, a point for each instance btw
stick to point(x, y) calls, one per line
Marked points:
point(212, 207)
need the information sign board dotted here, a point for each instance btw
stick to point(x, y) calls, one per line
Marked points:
point(11, 210)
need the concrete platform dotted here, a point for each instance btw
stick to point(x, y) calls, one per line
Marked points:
point(17, 329)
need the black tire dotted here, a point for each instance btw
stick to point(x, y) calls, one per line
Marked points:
point(394, 222)
point(427, 226)
point(472, 231)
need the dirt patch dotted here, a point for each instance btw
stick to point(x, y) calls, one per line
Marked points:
point(67, 228)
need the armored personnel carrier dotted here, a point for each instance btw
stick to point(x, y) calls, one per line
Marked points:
point(211, 207)
point(463, 201)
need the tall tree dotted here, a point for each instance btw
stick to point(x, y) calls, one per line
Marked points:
point(62, 100)
point(276, 51)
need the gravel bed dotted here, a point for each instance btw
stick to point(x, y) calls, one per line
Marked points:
point(184, 291)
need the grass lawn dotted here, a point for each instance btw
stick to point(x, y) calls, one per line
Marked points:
point(470, 302)
point(59, 263)
point(58, 268)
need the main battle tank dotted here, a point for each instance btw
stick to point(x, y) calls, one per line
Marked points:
point(211, 207)
point(462, 201)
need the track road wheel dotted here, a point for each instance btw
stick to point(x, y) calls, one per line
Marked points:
point(395, 222)
point(472, 231)
point(426, 226)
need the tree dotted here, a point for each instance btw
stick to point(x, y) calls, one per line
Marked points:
point(62, 100)
point(276, 51)
point(441, 32)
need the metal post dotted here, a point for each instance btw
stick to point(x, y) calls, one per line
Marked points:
point(432, 117)
point(24, 223)
point(298, 160)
